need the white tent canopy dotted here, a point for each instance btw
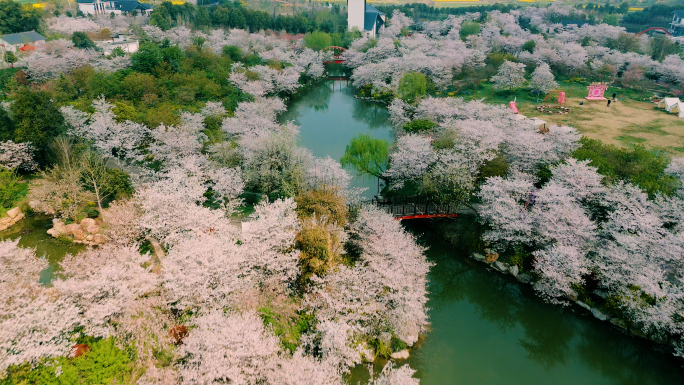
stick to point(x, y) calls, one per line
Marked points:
point(667, 103)
point(679, 109)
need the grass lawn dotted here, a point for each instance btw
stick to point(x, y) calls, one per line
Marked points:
point(626, 122)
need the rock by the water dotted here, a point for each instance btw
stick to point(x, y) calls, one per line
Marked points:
point(99, 239)
point(76, 231)
point(599, 315)
point(59, 226)
point(478, 257)
point(513, 270)
point(584, 305)
point(524, 278)
point(400, 355)
point(87, 231)
point(13, 213)
point(13, 216)
point(619, 323)
point(501, 266)
point(572, 295)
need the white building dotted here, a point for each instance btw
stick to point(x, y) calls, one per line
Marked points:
point(365, 18)
point(128, 44)
point(677, 25)
point(106, 7)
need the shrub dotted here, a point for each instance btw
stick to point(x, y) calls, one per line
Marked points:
point(445, 141)
point(232, 51)
point(397, 344)
point(495, 167)
point(382, 349)
point(412, 86)
point(419, 125)
point(82, 41)
point(529, 46)
point(105, 363)
point(317, 40)
point(92, 212)
point(316, 245)
point(288, 326)
point(636, 165)
point(324, 204)
point(11, 191)
point(469, 28)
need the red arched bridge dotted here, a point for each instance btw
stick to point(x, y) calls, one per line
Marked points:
point(654, 29)
point(337, 54)
point(413, 207)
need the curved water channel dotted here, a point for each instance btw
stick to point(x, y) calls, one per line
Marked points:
point(485, 328)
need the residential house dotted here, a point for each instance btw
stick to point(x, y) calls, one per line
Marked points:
point(106, 7)
point(22, 41)
point(365, 18)
point(677, 25)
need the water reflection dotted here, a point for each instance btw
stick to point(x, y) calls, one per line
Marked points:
point(329, 117)
point(315, 98)
point(489, 329)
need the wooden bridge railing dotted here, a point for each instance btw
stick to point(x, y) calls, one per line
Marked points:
point(412, 207)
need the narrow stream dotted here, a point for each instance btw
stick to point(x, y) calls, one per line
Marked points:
point(485, 328)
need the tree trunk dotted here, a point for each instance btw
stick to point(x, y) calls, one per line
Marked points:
point(99, 200)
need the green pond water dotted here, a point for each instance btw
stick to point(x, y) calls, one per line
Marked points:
point(329, 117)
point(32, 233)
point(485, 328)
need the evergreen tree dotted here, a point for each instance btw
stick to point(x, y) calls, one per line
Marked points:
point(37, 120)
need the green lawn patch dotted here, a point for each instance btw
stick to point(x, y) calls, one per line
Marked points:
point(628, 139)
point(105, 363)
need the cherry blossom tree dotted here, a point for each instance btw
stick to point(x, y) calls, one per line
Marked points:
point(396, 375)
point(411, 160)
point(542, 79)
point(387, 284)
point(17, 156)
point(107, 135)
point(254, 118)
point(104, 283)
point(510, 75)
point(34, 319)
point(269, 240)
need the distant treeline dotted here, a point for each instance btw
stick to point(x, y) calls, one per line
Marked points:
point(422, 12)
point(232, 14)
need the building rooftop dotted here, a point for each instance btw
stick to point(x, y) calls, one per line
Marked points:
point(370, 17)
point(22, 37)
point(679, 13)
point(131, 5)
